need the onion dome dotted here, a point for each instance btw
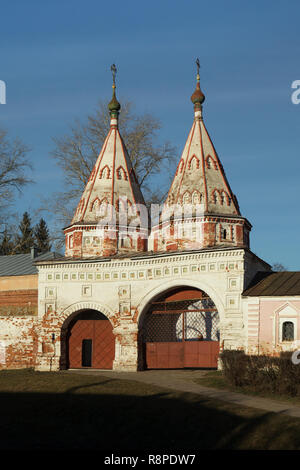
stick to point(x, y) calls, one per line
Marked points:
point(114, 105)
point(197, 96)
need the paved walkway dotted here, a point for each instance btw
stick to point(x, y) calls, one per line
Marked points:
point(183, 381)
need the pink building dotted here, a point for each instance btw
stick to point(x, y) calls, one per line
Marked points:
point(272, 308)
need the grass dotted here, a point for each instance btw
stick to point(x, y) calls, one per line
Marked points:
point(216, 379)
point(64, 410)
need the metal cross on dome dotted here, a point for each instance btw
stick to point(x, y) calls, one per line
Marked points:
point(198, 65)
point(113, 68)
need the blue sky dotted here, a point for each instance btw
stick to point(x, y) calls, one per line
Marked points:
point(56, 57)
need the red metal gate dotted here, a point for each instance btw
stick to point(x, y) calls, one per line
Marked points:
point(182, 354)
point(181, 330)
point(94, 338)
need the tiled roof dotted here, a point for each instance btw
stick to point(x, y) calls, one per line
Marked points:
point(274, 284)
point(20, 265)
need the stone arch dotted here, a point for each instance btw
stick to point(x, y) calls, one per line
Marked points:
point(192, 165)
point(210, 162)
point(216, 196)
point(186, 197)
point(79, 306)
point(225, 196)
point(69, 315)
point(197, 197)
point(176, 283)
point(95, 204)
point(105, 172)
point(101, 208)
point(121, 173)
point(168, 329)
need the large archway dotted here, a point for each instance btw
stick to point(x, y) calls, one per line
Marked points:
point(87, 341)
point(179, 329)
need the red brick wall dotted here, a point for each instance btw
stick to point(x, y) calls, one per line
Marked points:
point(18, 310)
point(19, 302)
point(20, 297)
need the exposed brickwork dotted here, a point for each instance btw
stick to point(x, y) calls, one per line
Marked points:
point(19, 302)
point(20, 297)
point(207, 234)
point(18, 343)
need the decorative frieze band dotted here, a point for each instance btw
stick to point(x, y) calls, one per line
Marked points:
point(101, 273)
point(157, 259)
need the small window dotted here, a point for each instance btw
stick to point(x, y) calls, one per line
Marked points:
point(71, 241)
point(125, 242)
point(288, 331)
point(186, 198)
point(223, 234)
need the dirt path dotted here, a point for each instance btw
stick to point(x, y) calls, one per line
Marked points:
point(183, 380)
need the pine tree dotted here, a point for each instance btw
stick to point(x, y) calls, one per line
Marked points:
point(41, 233)
point(6, 245)
point(24, 241)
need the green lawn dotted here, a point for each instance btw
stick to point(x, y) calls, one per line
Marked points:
point(216, 379)
point(44, 410)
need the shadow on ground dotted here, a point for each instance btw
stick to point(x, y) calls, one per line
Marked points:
point(94, 416)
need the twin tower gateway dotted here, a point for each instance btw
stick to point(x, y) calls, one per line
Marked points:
point(133, 294)
point(200, 210)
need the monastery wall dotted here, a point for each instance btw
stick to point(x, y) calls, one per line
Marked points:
point(29, 281)
point(18, 312)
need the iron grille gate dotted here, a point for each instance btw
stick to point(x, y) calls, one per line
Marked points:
point(182, 334)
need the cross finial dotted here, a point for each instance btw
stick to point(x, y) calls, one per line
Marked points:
point(113, 69)
point(198, 68)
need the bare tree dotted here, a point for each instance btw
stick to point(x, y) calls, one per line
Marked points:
point(278, 267)
point(13, 168)
point(76, 153)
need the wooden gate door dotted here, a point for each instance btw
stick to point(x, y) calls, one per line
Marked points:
point(91, 344)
